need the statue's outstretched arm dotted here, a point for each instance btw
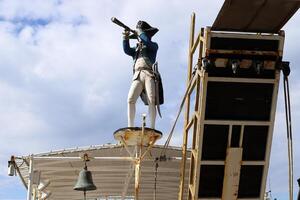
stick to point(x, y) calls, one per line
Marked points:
point(127, 49)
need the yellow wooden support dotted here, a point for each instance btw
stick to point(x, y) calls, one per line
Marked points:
point(197, 87)
point(187, 111)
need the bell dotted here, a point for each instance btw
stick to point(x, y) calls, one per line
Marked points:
point(85, 181)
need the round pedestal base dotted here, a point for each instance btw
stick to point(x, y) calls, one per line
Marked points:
point(135, 136)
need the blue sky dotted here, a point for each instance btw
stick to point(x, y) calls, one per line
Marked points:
point(64, 77)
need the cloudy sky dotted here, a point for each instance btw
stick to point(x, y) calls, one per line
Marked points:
point(64, 77)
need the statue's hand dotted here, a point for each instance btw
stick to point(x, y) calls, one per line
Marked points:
point(126, 34)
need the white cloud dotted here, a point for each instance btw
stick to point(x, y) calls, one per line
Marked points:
point(32, 9)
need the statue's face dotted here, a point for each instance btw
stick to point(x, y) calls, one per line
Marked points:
point(139, 25)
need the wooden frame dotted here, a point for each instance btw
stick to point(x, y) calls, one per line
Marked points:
point(196, 118)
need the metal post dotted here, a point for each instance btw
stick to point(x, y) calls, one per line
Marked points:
point(137, 178)
point(29, 190)
point(138, 161)
point(143, 133)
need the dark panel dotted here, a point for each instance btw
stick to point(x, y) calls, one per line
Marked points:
point(215, 139)
point(241, 73)
point(250, 181)
point(235, 136)
point(255, 15)
point(211, 181)
point(238, 101)
point(243, 44)
point(254, 142)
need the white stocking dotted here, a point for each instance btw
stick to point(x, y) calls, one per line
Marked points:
point(131, 114)
point(152, 113)
point(134, 92)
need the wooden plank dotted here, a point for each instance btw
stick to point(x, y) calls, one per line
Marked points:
point(232, 174)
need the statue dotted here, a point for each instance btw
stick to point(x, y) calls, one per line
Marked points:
point(146, 81)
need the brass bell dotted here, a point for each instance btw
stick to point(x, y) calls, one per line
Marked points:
point(85, 181)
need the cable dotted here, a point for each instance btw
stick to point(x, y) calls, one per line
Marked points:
point(287, 103)
point(163, 152)
point(270, 188)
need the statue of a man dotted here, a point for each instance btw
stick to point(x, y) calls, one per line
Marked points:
point(144, 82)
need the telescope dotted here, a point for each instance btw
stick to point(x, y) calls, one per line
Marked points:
point(119, 23)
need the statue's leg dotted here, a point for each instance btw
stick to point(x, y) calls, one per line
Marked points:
point(133, 94)
point(150, 90)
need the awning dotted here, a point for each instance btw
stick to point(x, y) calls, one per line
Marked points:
point(112, 173)
point(262, 16)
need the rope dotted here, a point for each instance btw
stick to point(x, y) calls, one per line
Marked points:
point(71, 165)
point(163, 152)
point(287, 104)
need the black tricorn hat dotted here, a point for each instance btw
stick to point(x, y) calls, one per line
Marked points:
point(144, 26)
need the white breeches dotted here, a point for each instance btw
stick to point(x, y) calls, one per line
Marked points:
point(143, 81)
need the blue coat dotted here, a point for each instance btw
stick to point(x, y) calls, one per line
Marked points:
point(151, 48)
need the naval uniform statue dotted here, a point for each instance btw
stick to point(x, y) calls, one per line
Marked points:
point(146, 81)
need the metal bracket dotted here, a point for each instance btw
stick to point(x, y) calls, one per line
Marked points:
point(285, 67)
